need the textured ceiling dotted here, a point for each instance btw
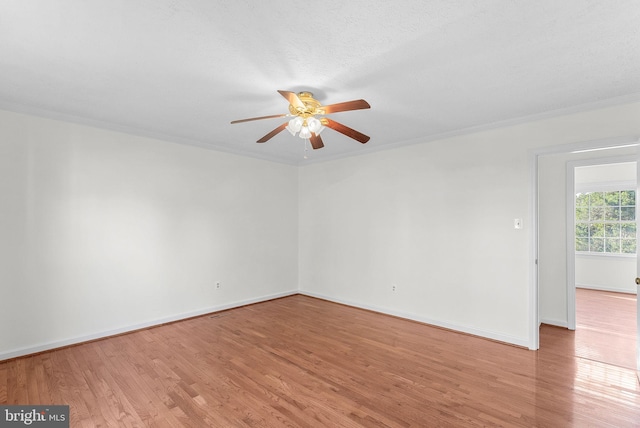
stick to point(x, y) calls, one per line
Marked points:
point(181, 70)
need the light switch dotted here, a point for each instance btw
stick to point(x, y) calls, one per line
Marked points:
point(517, 223)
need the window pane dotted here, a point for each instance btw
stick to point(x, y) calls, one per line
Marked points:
point(597, 213)
point(606, 222)
point(612, 245)
point(582, 199)
point(582, 230)
point(628, 198)
point(629, 246)
point(596, 230)
point(612, 214)
point(597, 245)
point(596, 199)
point(582, 244)
point(628, 230)
point(627, 213)
point(612, 230)
point(612, 198)
point(582, 214)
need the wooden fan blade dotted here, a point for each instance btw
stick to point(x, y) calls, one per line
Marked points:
point(258, 118)
point(346, 106)
point(316, 141)
point(273, 133)
point(293, 99)
point(351, 133)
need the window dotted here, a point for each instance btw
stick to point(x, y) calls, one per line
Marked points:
point(606, 222)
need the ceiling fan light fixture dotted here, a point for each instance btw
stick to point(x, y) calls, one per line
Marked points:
point(305, 132)
point(313, 124)
point(294, 125)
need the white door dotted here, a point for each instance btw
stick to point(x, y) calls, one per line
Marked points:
point(638, 269)
point(638, 323)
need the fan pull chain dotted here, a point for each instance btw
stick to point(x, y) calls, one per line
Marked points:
point(306, 149)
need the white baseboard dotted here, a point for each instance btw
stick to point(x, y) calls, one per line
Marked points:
point(106, 333)
point(524, 342)
point(630, 290)
point(557, 323)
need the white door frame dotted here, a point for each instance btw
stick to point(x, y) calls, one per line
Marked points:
point(534, 155)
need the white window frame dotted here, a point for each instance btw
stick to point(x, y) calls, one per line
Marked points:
point(613, 186)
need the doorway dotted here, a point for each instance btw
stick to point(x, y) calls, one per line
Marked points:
point(602, 241)
point(552, 264)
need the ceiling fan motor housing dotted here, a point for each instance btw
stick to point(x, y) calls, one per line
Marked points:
point(312, 106)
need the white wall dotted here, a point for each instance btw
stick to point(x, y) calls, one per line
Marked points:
point(437, 220)
point(605, 177)
point(608, 273)
point(102, 232)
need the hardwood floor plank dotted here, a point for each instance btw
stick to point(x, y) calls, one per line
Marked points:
point(300, 361)
point(3, 383)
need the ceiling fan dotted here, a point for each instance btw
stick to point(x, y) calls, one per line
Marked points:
point(304, 109)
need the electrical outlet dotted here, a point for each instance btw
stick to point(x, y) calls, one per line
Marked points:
point(393, 287)
point(217, 284)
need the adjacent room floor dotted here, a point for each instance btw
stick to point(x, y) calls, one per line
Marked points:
point(606, 327)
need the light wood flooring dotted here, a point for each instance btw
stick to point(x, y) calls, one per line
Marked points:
point(606, 327)
point(304, 362)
